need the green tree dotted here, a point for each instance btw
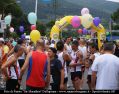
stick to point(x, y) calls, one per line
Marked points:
point(115, 18)
point(14, 35)
point(50, 24)
point(41, 27)
point(10, 6)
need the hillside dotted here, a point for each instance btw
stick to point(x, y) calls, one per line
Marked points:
point(100, 8)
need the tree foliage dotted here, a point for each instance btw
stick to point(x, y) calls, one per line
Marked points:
point(10, 6)
point(115, 18)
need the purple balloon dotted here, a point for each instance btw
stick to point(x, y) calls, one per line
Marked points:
point(96, 21)
point(22, 36)
point(21, 28)
point(85, 31)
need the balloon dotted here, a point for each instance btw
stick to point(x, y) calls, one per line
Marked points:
point(96, 21)
point(32, 18)
point(21, 28)
point(22, 36)
point(85, 11)
point(33, 27)
point(8, 20)
point(107, 33)
point(35, 36)
point(85, 31)
point(76, 22)
point(80, 31)
point(87, 20)
point(11, 29)
point(14, 43)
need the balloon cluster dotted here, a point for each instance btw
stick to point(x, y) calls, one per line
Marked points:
point(86, 20)
point(35, 34)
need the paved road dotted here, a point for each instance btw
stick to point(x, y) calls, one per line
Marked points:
point(84, 87)
point(70, 86)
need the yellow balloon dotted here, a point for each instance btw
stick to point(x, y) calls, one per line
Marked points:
point(35, 36)
point(87, 20)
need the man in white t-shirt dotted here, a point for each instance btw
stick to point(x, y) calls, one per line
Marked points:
point(106, 69)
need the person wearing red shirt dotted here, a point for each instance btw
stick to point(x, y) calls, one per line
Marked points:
point(36, 61)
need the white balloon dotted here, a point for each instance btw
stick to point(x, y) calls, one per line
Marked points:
point(85, 11)
point(11, 29)
point(87, 20)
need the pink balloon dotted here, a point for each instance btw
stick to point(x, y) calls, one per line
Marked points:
point(76, 22)
point(80, 31)
point(33, 27)
point(85, 11)
point(11, 29)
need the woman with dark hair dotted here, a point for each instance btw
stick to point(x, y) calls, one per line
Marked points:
point(56, 70)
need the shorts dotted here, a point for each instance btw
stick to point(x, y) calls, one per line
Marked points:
point(28, 88)
point(56, 86)
point(65, 80)
point(12, 84)
point(21, 62)
point(67, 63)
point(74, 75)
point(89, 79)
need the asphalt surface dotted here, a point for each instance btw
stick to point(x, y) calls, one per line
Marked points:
point(70, 86)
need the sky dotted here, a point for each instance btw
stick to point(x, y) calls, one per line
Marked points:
point(113, 0)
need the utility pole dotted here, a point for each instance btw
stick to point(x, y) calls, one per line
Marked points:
point(110, 27)
point(36, 7)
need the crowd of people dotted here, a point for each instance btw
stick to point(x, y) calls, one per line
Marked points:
point(50, 64)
